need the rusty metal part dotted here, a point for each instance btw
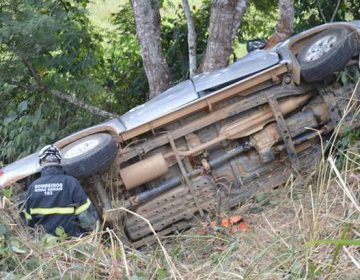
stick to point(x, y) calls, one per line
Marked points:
point(308, 137)
point(185, 176)
point(192, 140)
point(320, 109)
point(104, 198)
point(144, 171)
point(255, 122)
point(331, 102)
point(266, 138)
point(236, 172)
point(284, 131)
point(171, 207)
point(206, 165)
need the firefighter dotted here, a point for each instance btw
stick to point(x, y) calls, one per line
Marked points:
point(58, 200)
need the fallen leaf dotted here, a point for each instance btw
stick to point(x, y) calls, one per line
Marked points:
point(242, 227)
point(226, 222)
point(235, 219)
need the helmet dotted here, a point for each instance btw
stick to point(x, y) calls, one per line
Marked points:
point(49, 155)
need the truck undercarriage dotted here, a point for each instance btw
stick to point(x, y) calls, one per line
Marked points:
point(223, 154)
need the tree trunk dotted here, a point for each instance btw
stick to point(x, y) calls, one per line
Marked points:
point(225, 20)
point(285, 25)
point(148, 29)
point(191, 38)
point(239, 13)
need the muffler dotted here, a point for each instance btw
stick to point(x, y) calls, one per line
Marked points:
point(144, 171)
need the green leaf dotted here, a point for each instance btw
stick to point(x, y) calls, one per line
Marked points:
point(10, 118)
point(59, 231)
point(275, 201)
point(50, 240)
point(16, 247)
point(7, 192)
point(261, 197)
point(23, 106)
point(344, 77)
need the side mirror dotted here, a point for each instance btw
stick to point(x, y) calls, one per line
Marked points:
point(256, 44)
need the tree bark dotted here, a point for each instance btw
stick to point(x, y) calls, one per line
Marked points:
point(191, 38)
point(225, 20)
point(148, 30)
point(239, 13)
point(285, 26)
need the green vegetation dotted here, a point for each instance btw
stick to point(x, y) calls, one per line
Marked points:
point(100, 12)
point(45, 45)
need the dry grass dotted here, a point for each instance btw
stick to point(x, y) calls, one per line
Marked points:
point(290, 230)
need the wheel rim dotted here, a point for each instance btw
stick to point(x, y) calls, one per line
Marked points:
point(80, 148)
point(320, 47)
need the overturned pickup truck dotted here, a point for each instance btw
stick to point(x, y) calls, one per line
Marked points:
point(228, 133)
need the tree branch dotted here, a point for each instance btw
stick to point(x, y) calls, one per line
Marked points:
point(78, 103)
point(240, 10)
point(33, 72)
point(64, 5)
point(335, 11)
point(191, 38)
point(321, 11)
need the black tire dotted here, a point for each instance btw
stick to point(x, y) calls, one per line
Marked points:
point(339, 53)
point(99, 153)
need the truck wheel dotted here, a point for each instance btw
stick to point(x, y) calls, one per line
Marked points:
point(325, 53)
point(89, 155)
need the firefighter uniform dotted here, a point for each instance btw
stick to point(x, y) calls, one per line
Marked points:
point(57, 200)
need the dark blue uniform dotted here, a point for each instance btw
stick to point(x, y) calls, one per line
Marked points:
point(57, 200)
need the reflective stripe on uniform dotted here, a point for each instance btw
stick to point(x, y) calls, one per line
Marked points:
point(52, 211)
point(27, 215)
point(83, 207)
point(60, 210)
